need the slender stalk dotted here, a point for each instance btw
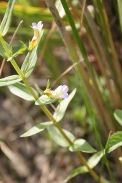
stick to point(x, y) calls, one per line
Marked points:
point(100, 52)
point(11, 41)
point(91, 171)
point(119, 4)
point(49, 115)
point(2, 65)
point(82, 14)
point(112, 55)
point(70, 47)
point(3, 61)
point(43, 107)
point(84, 53)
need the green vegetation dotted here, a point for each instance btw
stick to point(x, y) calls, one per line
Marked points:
point(72, 48)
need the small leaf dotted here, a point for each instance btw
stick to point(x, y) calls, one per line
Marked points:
point(81, 145)
point(58, 137)
point(44, 99)
point(30, 62)
point(118, 116)
point(36, 129)
point(19, 52)
point(5, 24)
point(48, 84)
point(9, 80)
point(114, 141)
point(75, 172)
point(3, 52)
point(61, 109)
point(92, 162)
point(21, 91)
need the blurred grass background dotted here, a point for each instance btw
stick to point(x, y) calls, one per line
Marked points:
point(96, 50)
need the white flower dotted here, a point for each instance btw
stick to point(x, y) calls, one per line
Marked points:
point(37, 27)
point(60, 92)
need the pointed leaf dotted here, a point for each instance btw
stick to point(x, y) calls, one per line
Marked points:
point(36, 129)
point(21, 91)
point(3, 52)
point(9, 80)
point(81, 145)
point(92, 162)
point(118, 116)
point(114, 141)
point(44, 99)
point(48, 84)
point(19, 52)
point(5, 24)
point(58, 137)
point(30, 62)
point(61, 109)
point(75, 172)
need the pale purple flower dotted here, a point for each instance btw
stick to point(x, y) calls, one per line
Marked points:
point(37, 27)
point(60, 92)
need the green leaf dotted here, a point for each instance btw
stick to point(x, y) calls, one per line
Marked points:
point(9, 80)
point(92, 162)
point(19, 52)
point(36, 129)
point(81, 145)
point(118, 116)
point(58, 137)
point(5, 24)
point(21, 91)
point(44, 99)
point(61, 109)
point(114, 142)
point(48, 84)
point(75, 172)
point(3, 52)
point(30, 62)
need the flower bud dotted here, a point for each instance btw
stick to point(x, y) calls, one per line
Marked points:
point(61, 92)
point(37, 35)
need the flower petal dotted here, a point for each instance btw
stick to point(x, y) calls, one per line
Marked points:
point(60, 92)
point(37, 27)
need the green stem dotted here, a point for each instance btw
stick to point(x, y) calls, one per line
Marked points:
point(101, 102)
point(47, 112)
point(75, 32)
point(112, 56)
point(43, 107)
point(75, 59)
point(23, 78)
point(50, 116)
